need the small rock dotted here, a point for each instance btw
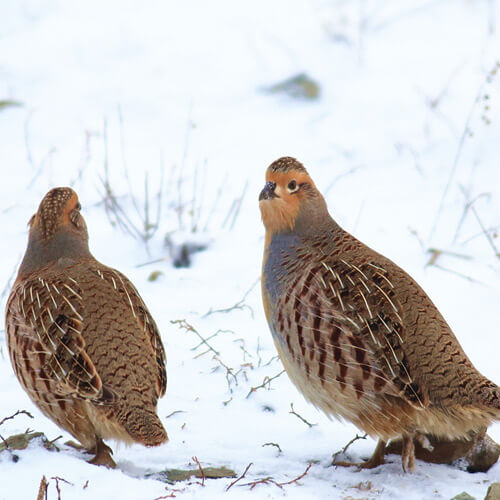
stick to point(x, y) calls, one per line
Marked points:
point(9, 103)
point(21, 442)
point(493, 492)
point(463, 496)
point(154, 275)
point(483, 455)
point(300, 86)
point(172, 476)
point(182, 247)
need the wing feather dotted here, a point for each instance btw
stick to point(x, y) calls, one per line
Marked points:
point(52, 313)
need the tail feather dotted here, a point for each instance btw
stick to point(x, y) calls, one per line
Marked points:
point(144, 426)
point(489, 396)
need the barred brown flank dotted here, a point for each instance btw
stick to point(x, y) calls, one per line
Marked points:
point(357, 336)
point(81, 340)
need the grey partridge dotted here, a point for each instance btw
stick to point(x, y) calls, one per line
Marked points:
point(356, 334)
point(81, 340)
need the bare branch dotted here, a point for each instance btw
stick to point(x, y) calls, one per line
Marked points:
point(293, 412)
point(241, 477)
point(267, 381)
point(190, 328)
point(276, 445)
point(57, 479)
point(298, 478)
point(270, 480)
point(42, 490)
point(174, 413)
point(465, 133)
point(18, 412)
point(229, 373)
point(460, 275)
point(238, 305)
point(346, 447)
point(211, 337)
point(485, 232)
point(202, 472)
point(436, 253)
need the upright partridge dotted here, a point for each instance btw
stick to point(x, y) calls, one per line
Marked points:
point(356, 334)
point(81, 340)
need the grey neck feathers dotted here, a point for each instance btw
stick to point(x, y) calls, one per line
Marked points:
point(313, 219)
point(63, 244)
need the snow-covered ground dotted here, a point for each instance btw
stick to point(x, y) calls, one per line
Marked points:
point(404, 135)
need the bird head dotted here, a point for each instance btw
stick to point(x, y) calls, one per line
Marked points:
point(289, 200)
point(59, 211)
point(57, 232)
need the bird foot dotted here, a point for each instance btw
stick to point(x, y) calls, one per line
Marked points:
point(102, 455)
point(75, 445)
point(367, 464)
point(374, 461)
point(423, 441)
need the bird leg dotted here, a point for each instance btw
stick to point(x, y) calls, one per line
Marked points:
point(375, 460)
point(408, 453)
point(102, 455)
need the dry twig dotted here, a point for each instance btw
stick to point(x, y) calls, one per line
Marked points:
point(57, 479)
point(210, 338)
point(18, 412)
point(174, 413)
point(465, 133)
point(270, 480)
point(293, 412)
point(267, 381)
point(276, 445)
point(436, 253)
point(229, 373)
point(240, 477)
point(42, 490)
point(238, 305)
point(298, 478)
point(147, 226)
point(460, 275)
point(346, 447)
point(485, 232)
point(468, 204)
point(202, 472)
point(190, 328)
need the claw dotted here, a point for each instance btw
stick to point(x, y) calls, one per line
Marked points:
point(424, 442)
point(374, 461)
point(103, 455)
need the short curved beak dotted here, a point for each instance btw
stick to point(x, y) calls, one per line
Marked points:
point(268, 192)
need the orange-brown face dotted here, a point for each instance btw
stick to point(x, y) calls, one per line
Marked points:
point(59, 208)
point(282, 196)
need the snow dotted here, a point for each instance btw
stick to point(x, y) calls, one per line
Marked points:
point(398, 141)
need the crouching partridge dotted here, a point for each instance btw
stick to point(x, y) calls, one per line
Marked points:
point(356, 334)
point(81, 340)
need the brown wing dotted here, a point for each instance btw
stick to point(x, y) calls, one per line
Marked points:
point(51, 313)
point(144, 319)
point(350, 316)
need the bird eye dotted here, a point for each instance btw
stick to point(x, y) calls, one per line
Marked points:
point(292, 186)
